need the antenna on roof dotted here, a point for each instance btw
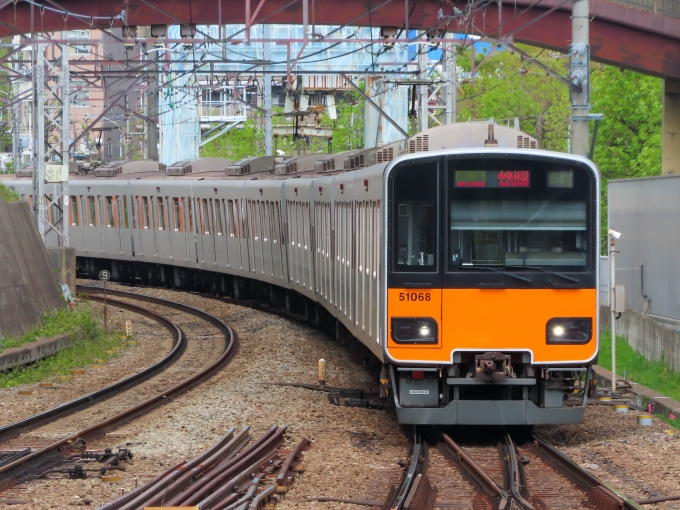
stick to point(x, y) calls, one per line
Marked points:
point(490, 140)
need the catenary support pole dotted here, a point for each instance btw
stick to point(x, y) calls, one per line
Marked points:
point(423, 90)
point(612, 297)
point(268, 130)
point(580, 76)
point(450, 88)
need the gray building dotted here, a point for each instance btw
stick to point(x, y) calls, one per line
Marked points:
point(647, 213)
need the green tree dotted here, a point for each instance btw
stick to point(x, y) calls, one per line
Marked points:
point(507, 86)
point(629, 138)
point(248, 139)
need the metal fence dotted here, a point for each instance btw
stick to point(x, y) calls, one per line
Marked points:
point(663, 7)
point(652, 339)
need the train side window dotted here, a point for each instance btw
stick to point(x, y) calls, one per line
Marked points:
point(219, 226)
point(206, 216)
point(118, 211)
point(414, 193)
point(175, 214)
point(74, 211)
point(101, 212)
point(125, 212)
point(145, 214)
point(92, 210)
point(161, 213)
point(135, 210)
point(266, 234)
point(191, 215)
point(109, 211)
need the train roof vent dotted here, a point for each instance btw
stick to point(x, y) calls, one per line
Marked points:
point(26, 171)
point(385, 155)
point(124, 167)
point(524, 142)
point(180, 168)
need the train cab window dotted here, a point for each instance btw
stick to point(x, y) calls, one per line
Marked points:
point(507, 213)
point(414, 217)
point(175, 214)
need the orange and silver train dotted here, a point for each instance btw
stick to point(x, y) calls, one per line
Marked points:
point(460, 263)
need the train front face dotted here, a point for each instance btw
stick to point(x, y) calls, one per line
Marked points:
point(491, 300)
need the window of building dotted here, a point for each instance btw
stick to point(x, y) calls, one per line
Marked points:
point(75, 35)
point(80, 93)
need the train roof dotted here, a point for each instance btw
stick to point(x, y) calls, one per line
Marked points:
point(462, 135)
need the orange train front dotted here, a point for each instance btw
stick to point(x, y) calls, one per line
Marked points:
point(491, 286)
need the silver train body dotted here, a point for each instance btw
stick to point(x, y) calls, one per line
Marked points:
point(310, 242)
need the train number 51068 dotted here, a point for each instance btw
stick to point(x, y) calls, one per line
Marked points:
point(414, 296)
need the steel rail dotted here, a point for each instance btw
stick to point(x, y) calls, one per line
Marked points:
point(477, 472)
point(514, 474)
point(15, 469)
point(178, 347)
point(407, 488)
point(571, 470)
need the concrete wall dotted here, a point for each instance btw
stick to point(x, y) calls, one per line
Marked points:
point(28, 288)
point(650, 338)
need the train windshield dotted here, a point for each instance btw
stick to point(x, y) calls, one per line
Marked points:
point(506, 213)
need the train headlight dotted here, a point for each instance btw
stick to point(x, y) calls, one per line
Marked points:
point(414, 330)
point(569, 330)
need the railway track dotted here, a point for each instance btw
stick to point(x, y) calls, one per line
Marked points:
point(45, 438)
point(497, 472)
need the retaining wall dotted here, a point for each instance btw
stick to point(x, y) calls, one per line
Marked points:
point(32, 351)
point(28, 288)
point(650, 338)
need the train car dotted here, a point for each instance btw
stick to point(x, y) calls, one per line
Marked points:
point(462, 267)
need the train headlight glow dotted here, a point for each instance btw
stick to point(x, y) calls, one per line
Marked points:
point(414, 330)
point(569, 330)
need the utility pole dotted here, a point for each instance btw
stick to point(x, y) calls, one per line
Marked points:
point(613, 305)
point(423, 89)
point(579, 58)
point(450, 87)
point(268, 129)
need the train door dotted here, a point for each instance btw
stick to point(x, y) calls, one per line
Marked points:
point(162, 228)
point(414, 281)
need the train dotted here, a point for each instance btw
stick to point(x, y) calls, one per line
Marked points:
point(460, 264)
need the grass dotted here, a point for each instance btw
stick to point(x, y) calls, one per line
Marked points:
point(90, 343)
point(656, 375)
point(8, 194)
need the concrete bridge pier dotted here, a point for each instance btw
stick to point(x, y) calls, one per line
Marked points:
point(670, 126)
